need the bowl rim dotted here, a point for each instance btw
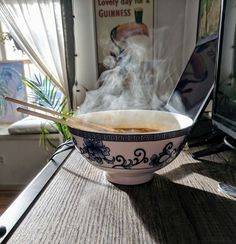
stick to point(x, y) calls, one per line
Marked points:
point(146, 136)
point(158, 136)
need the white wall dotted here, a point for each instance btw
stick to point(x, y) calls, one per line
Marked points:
point(85, 46)
point(175, 34)
point(21, 158)
point(190, 29)
point(175, 20)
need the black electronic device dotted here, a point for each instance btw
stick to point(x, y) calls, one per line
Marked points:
point(224, 105)
point(194, 88)
point(224, 95)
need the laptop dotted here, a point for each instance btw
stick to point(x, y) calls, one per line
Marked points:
point(195, 87)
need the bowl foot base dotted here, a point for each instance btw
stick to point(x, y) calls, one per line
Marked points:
point(129, 179)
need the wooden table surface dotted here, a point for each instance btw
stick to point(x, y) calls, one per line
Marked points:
point(182, 204)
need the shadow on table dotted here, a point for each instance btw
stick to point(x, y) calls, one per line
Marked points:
point(219, 171)
point(174, 213)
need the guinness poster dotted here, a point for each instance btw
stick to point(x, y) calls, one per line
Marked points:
point(116, 22)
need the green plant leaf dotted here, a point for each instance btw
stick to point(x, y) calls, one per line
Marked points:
point(46, 94)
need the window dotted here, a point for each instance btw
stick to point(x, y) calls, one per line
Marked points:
point(14, 65)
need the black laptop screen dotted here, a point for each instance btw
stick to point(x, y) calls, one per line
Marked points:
point(196, 83)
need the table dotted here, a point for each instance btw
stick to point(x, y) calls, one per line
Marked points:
point(182, 204)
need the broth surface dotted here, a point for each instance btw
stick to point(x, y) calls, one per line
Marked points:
point(135, 130)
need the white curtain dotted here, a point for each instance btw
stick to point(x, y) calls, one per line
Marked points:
point(36, 25)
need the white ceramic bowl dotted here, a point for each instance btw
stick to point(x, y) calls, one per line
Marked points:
point(131, 158)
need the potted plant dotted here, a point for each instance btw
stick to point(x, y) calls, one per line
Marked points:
point(45, 94)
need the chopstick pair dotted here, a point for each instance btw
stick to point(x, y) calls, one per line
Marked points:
point(73, 122)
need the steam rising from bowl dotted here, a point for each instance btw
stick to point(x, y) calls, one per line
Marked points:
point(135, 79)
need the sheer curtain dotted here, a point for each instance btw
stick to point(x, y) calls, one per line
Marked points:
point(36, 25)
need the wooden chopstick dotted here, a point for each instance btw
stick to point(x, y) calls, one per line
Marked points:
point(10, 99)
point(44, 116)
point(73, 122)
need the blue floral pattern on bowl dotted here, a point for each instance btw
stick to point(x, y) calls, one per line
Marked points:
point(95, 151)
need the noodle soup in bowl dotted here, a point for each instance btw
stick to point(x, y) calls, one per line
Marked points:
point(139, 142)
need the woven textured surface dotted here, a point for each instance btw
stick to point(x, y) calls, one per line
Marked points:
point(180, 205)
